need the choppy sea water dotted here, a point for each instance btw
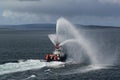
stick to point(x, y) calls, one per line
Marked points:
point(22, 56)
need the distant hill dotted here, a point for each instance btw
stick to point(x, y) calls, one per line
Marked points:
point(29, 26)
point(48, 27)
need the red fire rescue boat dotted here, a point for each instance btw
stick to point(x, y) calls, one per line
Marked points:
point(57, 55)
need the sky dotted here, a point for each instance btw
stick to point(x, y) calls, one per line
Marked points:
point(85, 12)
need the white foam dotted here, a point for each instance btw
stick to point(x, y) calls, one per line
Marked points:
point(93, 68)
point(86, 69)
point(27, 65)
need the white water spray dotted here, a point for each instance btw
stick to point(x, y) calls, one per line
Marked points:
point(66, 33)
point(27, 65)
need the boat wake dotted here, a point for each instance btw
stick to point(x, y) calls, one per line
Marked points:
point(86, 69)
point(31, 64)
point(94, 67)
point(27, 65)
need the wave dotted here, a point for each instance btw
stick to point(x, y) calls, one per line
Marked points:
point(86, 69)
point(27, 65)
point(31, 64)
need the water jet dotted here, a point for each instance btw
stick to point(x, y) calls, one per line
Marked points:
point(67, 35)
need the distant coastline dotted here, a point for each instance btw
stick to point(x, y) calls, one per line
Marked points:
point(49, 26)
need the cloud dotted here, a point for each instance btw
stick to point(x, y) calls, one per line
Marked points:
point(110, 1)
point(28, 0)
point(26, 18)
point(50, 10)
point(7, 13)
point(64, 7)
point(18, 0)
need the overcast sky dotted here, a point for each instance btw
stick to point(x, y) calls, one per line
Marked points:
point(88, 12)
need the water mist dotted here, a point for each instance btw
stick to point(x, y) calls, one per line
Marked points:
point(77, 46)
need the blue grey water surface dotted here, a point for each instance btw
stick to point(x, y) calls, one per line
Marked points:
point(25, 45)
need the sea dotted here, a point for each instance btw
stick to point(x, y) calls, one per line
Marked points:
point(23, 49)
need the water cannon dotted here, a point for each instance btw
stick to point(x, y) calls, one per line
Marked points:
point(57, 46)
